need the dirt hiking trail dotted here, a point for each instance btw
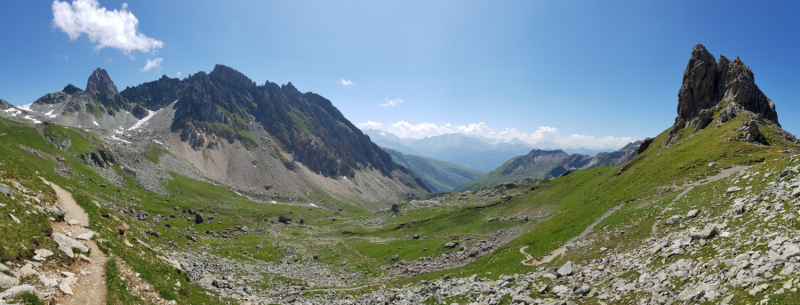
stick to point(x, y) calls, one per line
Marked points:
point(725, 173)
point(528, 261)
point(90, 288)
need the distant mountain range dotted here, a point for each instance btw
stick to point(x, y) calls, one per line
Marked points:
point(467, 150)
point(549, 163)
point(439, 176)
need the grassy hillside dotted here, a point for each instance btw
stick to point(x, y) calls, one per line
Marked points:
point(536, 164)
point(575, 200)
point(439, 176)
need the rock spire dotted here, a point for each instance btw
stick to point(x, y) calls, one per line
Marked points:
point(706, 83)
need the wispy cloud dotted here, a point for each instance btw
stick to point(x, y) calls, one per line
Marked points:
point(64, 57)
point(392, 102)
point(106, 28)
point(346, 83)
point(178, 75)
point(405, 129)
point(152, 64)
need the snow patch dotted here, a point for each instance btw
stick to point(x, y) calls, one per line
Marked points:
point(13, 111)
point(35, 121)
point(114, 137)
point(95, 123)
point(313, 205)
point(26, 107)
point(237, 193)
point(50, 114)
point(159, 143)
point(144, 120)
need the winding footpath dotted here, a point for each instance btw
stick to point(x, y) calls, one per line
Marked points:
point(528, 261)
point(90, 289)
point(725, 173)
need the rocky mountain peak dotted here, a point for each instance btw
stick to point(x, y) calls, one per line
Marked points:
point(706, 83)
point(100, 83)
point(70, 89)
point(231, 76)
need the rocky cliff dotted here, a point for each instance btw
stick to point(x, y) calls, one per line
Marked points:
point(726, 84)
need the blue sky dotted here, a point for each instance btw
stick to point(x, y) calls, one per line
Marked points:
point(608, 71)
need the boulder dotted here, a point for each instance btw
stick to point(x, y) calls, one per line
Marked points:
point(7, 281)
point(733, 189)
point(42, 254)
point(65, 244)
point(565, 270)
point(16, 290)
point(86, 236)
point(709, 232)
point(693, 213)
point(6, 190)
point(451, 244)
point(26, 271)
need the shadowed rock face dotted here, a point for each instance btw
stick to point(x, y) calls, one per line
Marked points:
point(706, 83)
point(4, 105)
point(100, 83)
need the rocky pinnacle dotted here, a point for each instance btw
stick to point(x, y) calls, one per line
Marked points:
point(99, 82)
point(707, 83)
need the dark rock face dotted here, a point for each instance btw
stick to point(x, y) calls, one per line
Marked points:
point(4, 105)
point(100, 83)
point(221, 105)
point(156, 94)
point(706, 83)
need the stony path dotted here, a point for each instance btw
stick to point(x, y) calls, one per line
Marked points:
point(90, 289)
point(725, 173)
point(563, 249)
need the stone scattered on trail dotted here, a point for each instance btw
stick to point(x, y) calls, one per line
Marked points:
point(73, 222)
point(65, 244)
point(7, 281)
point(565, 270)
point(14, 218)
point(26, 271)
point(693, 213)
point(734, 189)
point(48, 282)
point(86, 236)
point(83, 257)
point(65, 284)
point(42, 254)
point(16, 290)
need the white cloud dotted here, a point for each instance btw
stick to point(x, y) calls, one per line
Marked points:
point(152, 64)
point(405, 129)
point(114, 29)
point(346, 83)
point(178, 75)
point(370, 125)
point(392, 102)
point(64, 57)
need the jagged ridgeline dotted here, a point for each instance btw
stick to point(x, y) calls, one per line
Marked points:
point(225, 101)
point(224, 104)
